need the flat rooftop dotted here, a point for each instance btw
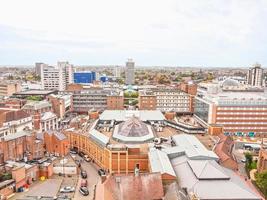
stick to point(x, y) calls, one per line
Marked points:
point(35, 92)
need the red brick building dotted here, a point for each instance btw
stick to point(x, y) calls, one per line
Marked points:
point(115, 102)
point(56, 143)
point(262, 160)
point(20, 145)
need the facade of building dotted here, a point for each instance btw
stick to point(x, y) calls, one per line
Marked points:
point(13, 121)
point(262, 160)
point(56, 143)
point(255, 76)
point(9, 88)
point(129, 72)
point(48, 121)
point(21, 145)
point(84, 77)
point(39, 68)
point(36, 109)
point(12, 103)
point(117, 71)
point(61, 104)
point(57, 78)
point(94, 99)
point(147, 100)
point(115, 101)
point(172, 100)
point(242, 112)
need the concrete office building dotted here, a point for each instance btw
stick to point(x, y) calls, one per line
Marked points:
point(117, 71)
point(165, 100)
point(243, 112)
point(57, 78)
point(8, 88)
point(255, 76)
point(39, 67)
point(129, 72)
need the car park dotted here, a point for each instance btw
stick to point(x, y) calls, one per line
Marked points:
point(67, 189)
point(84, 191)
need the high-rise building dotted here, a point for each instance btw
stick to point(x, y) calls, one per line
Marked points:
point(129, 72)
point(255, 76)
point(117, 71)
point(56, 78)
point(39, 67)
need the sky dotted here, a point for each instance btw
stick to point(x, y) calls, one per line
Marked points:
point(208, 33)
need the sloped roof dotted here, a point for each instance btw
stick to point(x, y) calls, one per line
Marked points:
point(35, 105)
point(47, 115)
point(207, 169)
point(130, 187)
point(133, 127)
point(212, 188)
point(194, 149)
point(160, 162)
point(99, 137)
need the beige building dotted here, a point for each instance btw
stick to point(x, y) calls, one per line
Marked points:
point(8, 88)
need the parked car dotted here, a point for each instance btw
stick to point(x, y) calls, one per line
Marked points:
point(101, 172)
point(84, 191)
point(244, 160)
point(83, 174)
point(67, 189)
point(81, 154)
point(84, 183)
point(86, 158)
point(73, 151)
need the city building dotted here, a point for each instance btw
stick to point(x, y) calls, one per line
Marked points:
point(196, 169)
point(262, 160)
point(94, 99)
point(56, 143)
point(115, 101)
point(173, 100)
point(12, 103)
point(84, 77)
point(29, 93)
point(255, 76)
point(117, 71)
point(129, 72)
point(48, 121)
point(21, 145)
point(131, 187)
point(39, 68)
point(112, 148)
point(13, 121)
point(61, 104)
point(237, 112)
point(57, 78)
point(147, 100)
point(36, 109)
point(8, 88)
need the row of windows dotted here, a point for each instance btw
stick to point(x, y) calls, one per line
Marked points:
point(242, 113)
point(242, 108)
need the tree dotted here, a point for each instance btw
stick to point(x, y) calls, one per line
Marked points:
point(248, 157)
point(261, 180)
point(34, 98)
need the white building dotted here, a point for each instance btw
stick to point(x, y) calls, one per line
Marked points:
point(255, 76)
point(56, 78)
point(117, 71)
point(49, 121)
point(129, 72)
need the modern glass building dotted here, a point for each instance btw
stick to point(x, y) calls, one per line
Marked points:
point(84, 77)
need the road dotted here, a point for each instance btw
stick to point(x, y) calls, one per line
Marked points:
point(239, 155)
point(92, 179)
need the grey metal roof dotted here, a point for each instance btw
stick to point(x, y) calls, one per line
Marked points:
point(98, 137)
point(194, 149)
point(217, 188)
point(159, 162)
point(123, 115)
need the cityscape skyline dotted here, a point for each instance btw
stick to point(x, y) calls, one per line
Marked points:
point(209, 34)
